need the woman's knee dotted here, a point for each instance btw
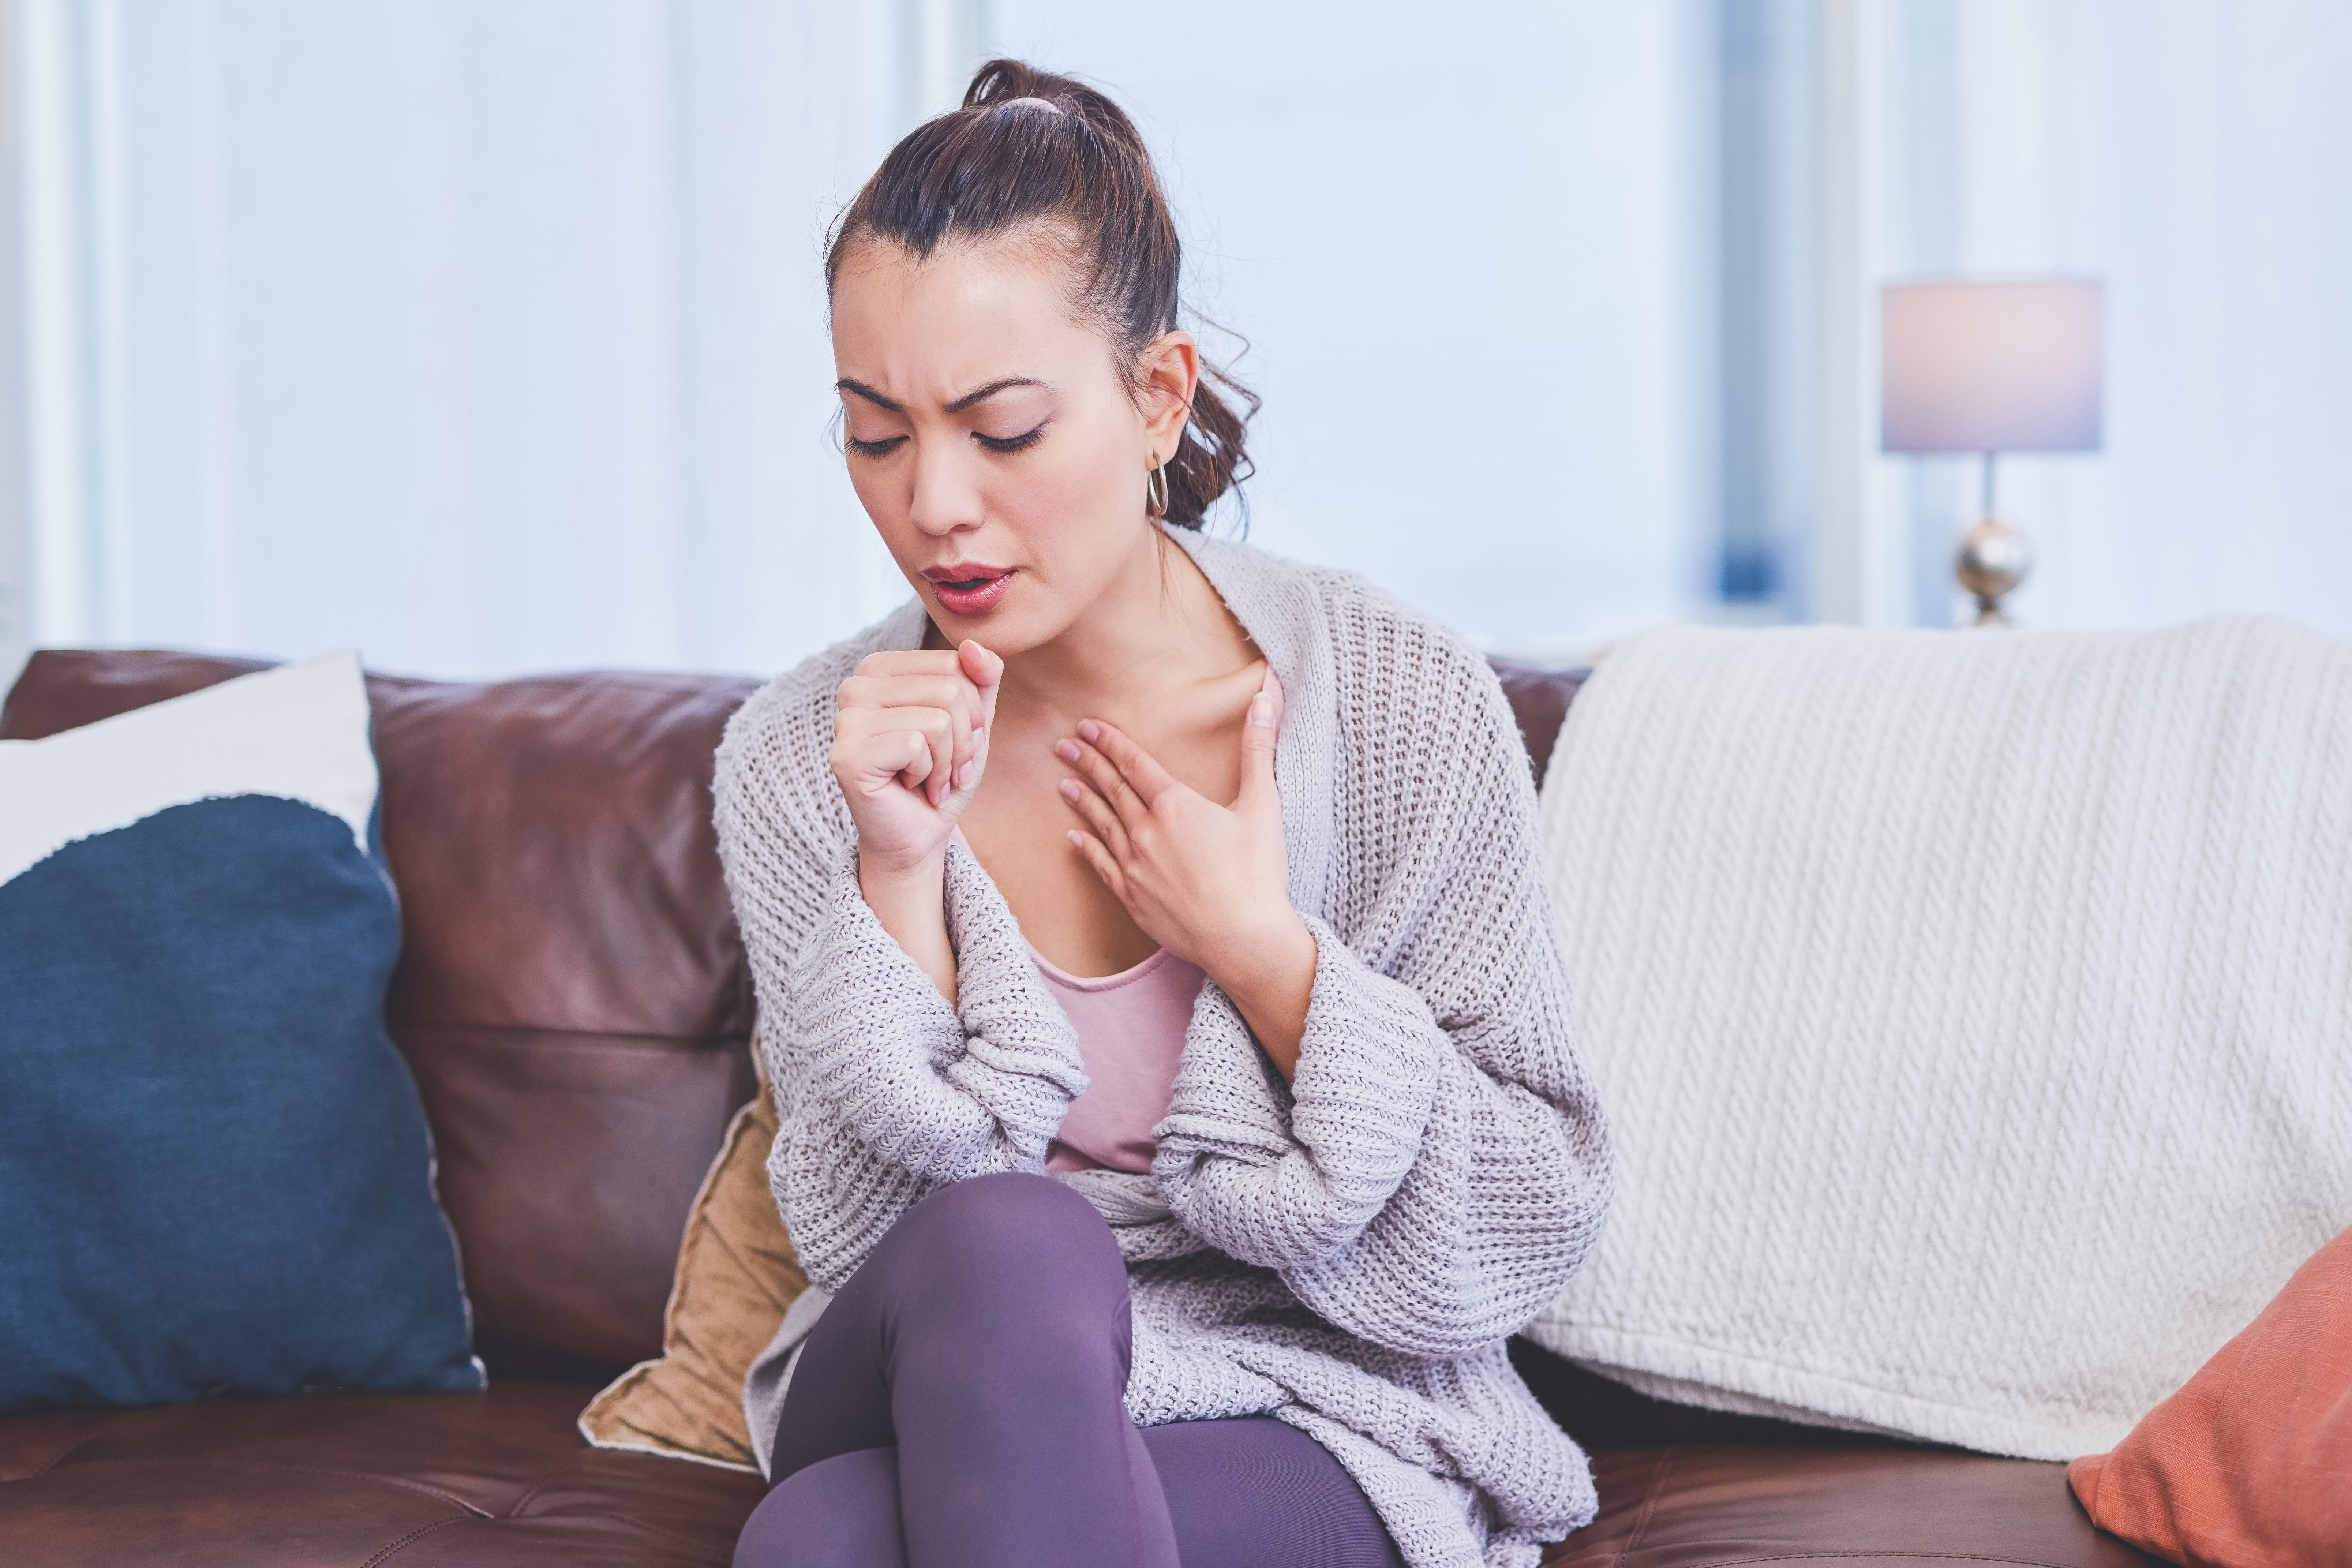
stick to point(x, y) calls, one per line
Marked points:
point(841, 1513)
point(1255, 1493)
point(1008, 1228)
point(1008, 1197)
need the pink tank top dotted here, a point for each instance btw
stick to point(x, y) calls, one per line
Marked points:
point(1130, 1028)
point(1130, 1036)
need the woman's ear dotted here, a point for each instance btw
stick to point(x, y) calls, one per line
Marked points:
point(1171, 368)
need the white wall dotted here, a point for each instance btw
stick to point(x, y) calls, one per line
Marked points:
point(1466, 245)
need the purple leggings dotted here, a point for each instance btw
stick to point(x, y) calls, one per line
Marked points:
point(960, 1404)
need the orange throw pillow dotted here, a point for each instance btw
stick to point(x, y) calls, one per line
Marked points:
point(2252, 1461)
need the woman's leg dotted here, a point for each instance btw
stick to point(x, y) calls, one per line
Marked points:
point(841, 1513)
point(987, 1339)
point(1249, 1493)
point(1256, 1493)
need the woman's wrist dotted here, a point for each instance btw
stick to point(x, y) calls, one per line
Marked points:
point(910, 902)
point(1268, 971)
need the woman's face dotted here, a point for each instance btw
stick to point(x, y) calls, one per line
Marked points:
point(992, 436)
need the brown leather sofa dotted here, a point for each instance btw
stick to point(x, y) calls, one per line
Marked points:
point(573, 1002)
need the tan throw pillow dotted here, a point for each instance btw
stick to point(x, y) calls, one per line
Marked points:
point(736, 1274)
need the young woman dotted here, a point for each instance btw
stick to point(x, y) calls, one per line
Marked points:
point(1178, 1107)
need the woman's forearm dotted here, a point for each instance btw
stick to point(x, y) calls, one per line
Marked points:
point(1270, 976)
point(912, 904)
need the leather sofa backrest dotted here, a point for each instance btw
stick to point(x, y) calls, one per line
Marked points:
point(572, 994)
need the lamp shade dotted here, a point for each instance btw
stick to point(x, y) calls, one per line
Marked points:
point(1997, 366)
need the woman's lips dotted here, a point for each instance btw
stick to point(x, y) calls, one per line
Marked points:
point(970, 590)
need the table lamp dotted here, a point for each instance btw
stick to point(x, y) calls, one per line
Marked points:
point(2007, 365)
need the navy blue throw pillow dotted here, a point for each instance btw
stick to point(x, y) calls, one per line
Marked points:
point(215, 1175)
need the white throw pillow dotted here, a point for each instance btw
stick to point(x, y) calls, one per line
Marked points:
point(299, 732)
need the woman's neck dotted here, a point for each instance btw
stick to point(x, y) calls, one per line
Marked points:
point(1160, 628)
point(1157, 654)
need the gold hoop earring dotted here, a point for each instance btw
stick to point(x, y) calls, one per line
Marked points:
point(1155, 490)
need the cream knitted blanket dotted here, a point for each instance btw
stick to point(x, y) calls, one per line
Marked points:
point(1975, 1012)
point(1346, 1252)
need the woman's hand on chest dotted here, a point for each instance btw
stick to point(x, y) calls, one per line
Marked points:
point(1209, 882)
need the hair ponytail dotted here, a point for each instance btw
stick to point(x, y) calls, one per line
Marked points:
point(1028, 149)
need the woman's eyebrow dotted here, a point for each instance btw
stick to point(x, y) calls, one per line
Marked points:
point(981, 394)
point(868, 392)
point(977, 395)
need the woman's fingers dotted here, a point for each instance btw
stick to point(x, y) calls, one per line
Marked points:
point(1121, 771)
point(915, 743)
point(936, 729)
point(1104, 863)
point(1098, 816)
point(1106, 782)
point(1138, 767)
point(949, 748)
point(934, 686)
point(1258, 791)
point(985, 670)
point(889, 757)
point(949, 692)
point(966, 776)
point(909, 661)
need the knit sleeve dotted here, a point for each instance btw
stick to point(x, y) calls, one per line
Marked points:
point(1439, 1166)
point(884, 1091)
point(895, 1093)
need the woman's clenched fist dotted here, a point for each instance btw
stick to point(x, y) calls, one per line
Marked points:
point(910, 743)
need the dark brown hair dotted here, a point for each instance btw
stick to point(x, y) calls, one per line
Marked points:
point(1030, 150)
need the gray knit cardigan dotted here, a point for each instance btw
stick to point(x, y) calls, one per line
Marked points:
point(1346, 1252)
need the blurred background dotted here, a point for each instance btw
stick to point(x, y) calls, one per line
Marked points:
point(488, 334)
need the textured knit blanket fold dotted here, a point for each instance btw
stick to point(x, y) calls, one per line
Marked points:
point(1974, 1011)
point(1348, 1251)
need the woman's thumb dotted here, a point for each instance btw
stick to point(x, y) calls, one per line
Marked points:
point(1258, 731)
point(985, 670)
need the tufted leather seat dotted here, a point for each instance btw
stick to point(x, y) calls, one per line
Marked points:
point(572, 1000)
point(480, 1480)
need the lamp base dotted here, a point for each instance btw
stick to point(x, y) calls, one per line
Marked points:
point(1993, 560)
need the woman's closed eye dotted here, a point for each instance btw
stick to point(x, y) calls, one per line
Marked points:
point(1021, 443)
point(881, 448)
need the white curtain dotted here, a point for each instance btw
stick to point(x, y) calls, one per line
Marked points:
point(2197, 155)
point(487, 336)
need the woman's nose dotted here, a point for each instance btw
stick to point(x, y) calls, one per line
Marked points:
point(946, 494)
